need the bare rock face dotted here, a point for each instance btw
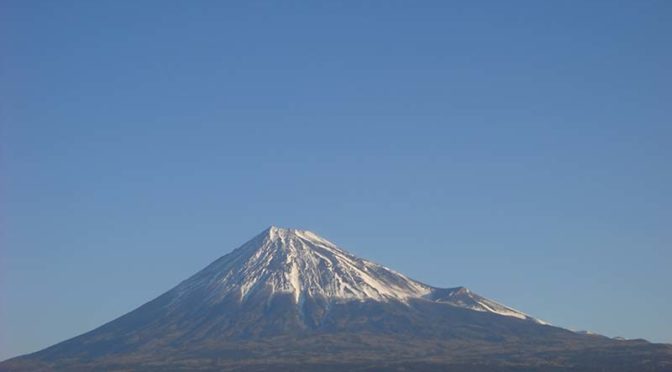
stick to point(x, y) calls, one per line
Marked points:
point(291, 300)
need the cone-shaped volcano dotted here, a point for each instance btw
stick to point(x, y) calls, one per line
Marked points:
point(289, 299)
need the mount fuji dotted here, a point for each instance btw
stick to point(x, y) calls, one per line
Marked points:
point(291, 300)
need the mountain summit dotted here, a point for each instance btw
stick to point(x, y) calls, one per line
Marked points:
point(301, 263)
point(291, 300)
point(304, 265)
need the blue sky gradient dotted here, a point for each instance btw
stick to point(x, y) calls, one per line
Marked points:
point(521, 149)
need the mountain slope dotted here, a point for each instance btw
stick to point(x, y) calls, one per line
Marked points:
point(289, 297)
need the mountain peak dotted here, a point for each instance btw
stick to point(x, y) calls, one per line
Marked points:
point(302, 264)
point(281, 233)
point(277, 231)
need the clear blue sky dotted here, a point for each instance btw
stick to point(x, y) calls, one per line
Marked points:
point(521, 149)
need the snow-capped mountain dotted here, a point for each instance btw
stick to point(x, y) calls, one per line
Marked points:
point(302, 264)
point(291, 300)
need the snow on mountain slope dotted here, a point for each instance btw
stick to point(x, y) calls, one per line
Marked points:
point(302, 264)
point(463, 297)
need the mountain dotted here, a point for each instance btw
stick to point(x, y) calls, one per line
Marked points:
point(291, 300)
